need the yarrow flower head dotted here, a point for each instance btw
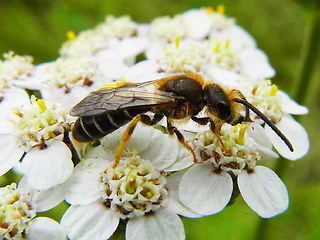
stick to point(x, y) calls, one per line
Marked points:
point(16, 213)
point(14, 67)
point(37, 129)
point(89, 42)
point(18, 216)
point(133, 188)
point(37, 123)
point(233, 151)
point(137, 189)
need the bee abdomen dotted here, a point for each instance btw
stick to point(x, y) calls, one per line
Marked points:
point(90, 128)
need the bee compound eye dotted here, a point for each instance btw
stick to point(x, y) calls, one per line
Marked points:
point(224, 111)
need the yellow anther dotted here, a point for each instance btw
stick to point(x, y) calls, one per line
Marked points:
point(8, 55)
point(242, 132)
point(122, 81)
point(221, 9)
point(227, 44)
point(274, 90)
point(177, 39)
point(209, 10)
point(217, 48)
point(268, 82)
point(71, 36)
point(41, 105)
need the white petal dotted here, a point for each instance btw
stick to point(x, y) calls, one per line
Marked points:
point(204, 191)
point(137, 141)
point(43, 200)
point(174, 203)
point(255, 63)
point(48, 167)
point(263, 191)
point(83, 186)
point(223, 76)
point(185, 160)
point(295, 133)
point(162, 224)
point(199, 23)
point(11, 98)
point(87, 222)
point(238, 36)
point(45, 228)
point(10, 153)
point(290, 106)
point(162, 151)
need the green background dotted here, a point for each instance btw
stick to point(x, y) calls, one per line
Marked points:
point(38, 28)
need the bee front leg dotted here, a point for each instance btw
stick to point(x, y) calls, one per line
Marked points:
point(214, 129)
point(128, 132)
point(173, 130)
point(216, 132)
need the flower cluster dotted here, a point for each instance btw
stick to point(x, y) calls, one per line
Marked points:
point(157, 178)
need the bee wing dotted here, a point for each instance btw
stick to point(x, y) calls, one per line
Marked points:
point(131, 95)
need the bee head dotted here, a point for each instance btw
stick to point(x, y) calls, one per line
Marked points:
point(217, 102)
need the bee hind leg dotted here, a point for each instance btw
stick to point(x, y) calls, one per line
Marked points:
point(128, 132)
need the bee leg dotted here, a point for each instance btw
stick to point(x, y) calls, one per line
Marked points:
point(124, 139)
point(145, 119)
point(173, 130)
point(204, 121)
point(213, 128)
point(128, 132)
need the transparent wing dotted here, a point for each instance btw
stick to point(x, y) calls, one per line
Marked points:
point(127, 96)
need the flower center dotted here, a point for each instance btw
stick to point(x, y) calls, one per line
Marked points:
point(263, 96)
point(14, 67)
point(74, 71)
point(223, 55)
point(15, 213)
point(89, 42)
point(233, 151)
point(36, 123)
point(166, 27)
point(219, 19)
point(182, 57)
point(134, 187)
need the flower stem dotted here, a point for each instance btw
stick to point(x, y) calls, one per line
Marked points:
point(309, 56)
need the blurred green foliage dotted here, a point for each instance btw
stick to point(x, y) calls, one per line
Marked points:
point(39, 27)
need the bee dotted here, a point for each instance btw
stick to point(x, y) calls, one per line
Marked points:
point(177, 97)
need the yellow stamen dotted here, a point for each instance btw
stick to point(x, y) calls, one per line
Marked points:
point(8, 55)
point(242, 132)
point(274, 90)
point(209, 10)
point(41, 105)
point(122, 81)
point(177, 39)
point(221, 9)
point(227, 44)
point(217, 48)
point(71, 36)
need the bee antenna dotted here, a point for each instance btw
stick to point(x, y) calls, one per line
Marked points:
point(266, 120)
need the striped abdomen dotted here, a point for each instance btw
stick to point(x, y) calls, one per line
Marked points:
point(90, 128)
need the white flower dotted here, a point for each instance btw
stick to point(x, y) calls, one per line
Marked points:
point(277, 106)
point(204, 57)
point(18, 207)
point(66, 81)
point(89, 42)
point(37, 130)
point(206, 188)
point(137, 189)
point(14, 67)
